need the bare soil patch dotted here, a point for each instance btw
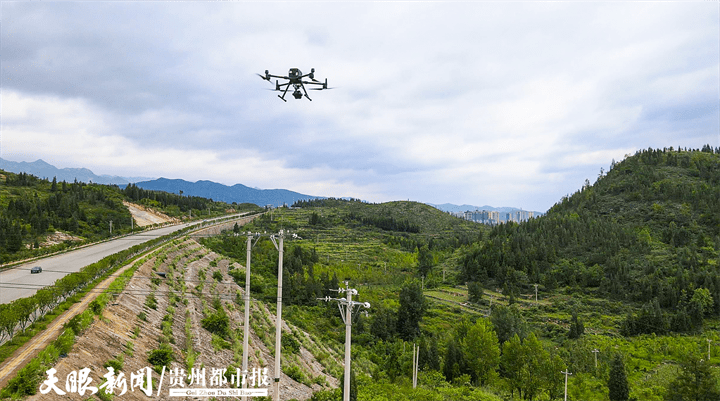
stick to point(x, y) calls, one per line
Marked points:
point(145, 216)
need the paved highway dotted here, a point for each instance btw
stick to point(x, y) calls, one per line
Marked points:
point(18, 282)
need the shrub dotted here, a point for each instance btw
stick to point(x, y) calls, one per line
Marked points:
point(217, 275)
point(116, 363)
point(290, 345)
point(151, 301)
point(217, 323)
point(161, 356)
point(218, 343)
point(295, 373)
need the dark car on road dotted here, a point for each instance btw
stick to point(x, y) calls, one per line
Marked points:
point(36, 269)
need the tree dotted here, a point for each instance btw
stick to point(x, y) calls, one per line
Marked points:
point(536, 358)
point(512, 364)
point(617, 382)
point(507, 322)
point(384, 324)
point(482, 351)
point(475, 291)
point(702, 300)
point(425, 260)
point(314, 219)
point(412, 308)
point(577, 328)
point(553, 377)
point(454, 361)
point(695, 383)
point(429, 354)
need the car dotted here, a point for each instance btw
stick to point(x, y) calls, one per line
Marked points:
point(36, 269)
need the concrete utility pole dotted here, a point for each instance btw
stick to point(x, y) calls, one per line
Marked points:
point(709, 341)
point(416, 362)
point(536, 286)
point(566, 373)
point(348, 305)
point(278, 321)
point(595, 351)
point(111, 228)
point(246, 331)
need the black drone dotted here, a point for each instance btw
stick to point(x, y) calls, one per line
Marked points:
point(295, 78)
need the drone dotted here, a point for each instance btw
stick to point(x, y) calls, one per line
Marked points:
point(295, 78)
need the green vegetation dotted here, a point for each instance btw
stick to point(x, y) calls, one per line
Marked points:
point(628, 291)
point(31, 209)
point(627, 267)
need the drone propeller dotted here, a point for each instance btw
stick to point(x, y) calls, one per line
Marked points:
point(263, 77)
point(324, 86)
point(319, 89)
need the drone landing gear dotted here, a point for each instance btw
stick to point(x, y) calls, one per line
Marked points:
point(299, 95)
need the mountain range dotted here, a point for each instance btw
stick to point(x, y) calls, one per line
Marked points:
point(43, 169)
point(207, 189)
point(237, 193)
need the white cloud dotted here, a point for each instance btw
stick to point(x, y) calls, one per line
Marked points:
point(510, 104)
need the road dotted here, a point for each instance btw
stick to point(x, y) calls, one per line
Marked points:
point(30, 349)
point(18, 282)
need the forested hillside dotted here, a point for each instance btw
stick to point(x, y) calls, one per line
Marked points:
point(648, 230)
point(31, 209)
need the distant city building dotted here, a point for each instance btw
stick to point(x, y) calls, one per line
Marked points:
point(491, 217)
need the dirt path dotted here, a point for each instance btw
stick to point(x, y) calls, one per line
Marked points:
point(33, 347)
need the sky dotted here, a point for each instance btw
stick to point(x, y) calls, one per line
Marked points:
point(508, 104)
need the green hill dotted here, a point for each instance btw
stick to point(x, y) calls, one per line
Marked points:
point(647, 231)
point(31, 209)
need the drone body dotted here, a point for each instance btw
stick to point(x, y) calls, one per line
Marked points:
point(295, 78)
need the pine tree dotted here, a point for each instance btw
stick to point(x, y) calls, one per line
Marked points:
point(617, 382)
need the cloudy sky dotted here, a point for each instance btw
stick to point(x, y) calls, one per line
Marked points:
point(505, 104)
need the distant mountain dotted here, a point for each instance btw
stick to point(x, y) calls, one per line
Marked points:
point(43, 169)
point(237, 193)
point(449, 207)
